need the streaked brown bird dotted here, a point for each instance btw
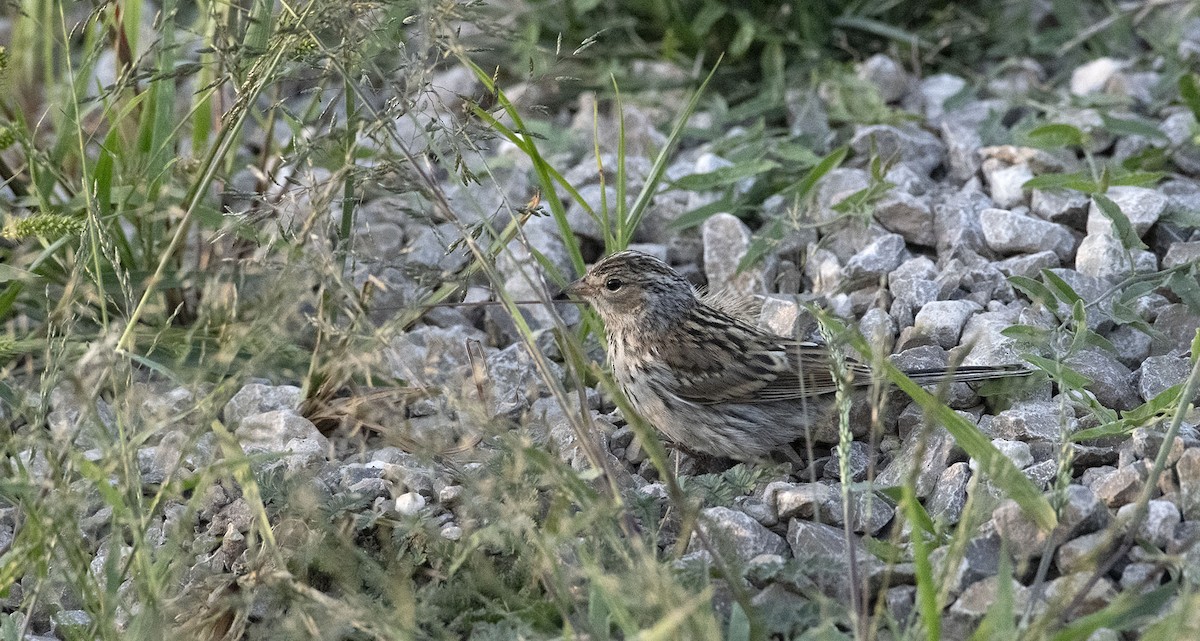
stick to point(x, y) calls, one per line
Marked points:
point(708, 380)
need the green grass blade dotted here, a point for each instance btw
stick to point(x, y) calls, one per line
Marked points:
point(1125, 612)
point(1000, 620)
point(545, 173)
point(624, 230)
point(992, 462)
point(927, 589)
point(831, 161)
point(1189, 90)
point(638, 210)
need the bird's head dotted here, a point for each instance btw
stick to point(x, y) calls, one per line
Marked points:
point(632, 289)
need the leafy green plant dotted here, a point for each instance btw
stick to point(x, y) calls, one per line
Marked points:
point(1053, 346)
point(617, 226)
point(1097, 177)
point(148, 245)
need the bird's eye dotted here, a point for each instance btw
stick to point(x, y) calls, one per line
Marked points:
point(613, 284)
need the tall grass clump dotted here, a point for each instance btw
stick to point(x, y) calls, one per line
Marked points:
point(185, 185)
point(216, 206)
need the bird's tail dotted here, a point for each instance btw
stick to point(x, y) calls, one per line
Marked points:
point(967, 373)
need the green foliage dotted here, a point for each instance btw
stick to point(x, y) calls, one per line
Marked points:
point(852, 99)
point(1055, 135)
point(998, 467)
point(1099, 176)
point(162, 229)
point(1189, 91)
point(127, 261)
point(765, 40)
point(858, 205)
point(861, 204)
point(1122, 228)
point(1072, 334)
point(721, 489)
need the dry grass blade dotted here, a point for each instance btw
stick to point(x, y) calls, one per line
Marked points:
point(370, 410)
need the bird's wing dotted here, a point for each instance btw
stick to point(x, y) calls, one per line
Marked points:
point(741, 364)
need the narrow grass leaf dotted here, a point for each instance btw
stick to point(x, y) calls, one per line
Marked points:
point(102, 173)
point(996, 465)
point(9, 296)
point(158, 118)
point(624, 233)
point(999, 468)
point(882, 29)
point(700, 214)
point(258, 28)
point(671, 626)
point(927, 587)
point(1125, 612)
point(598, 615)
point(831, 161)
point(638, 209)
point(919, 518)
point(243, 474)
point(156, 366)
point(725, 176)
point(524, 141)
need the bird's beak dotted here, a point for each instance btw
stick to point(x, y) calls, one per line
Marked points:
point(577, 289)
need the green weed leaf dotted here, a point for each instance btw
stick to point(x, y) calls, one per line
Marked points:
point(1183, 284)
point(1062, 291)
point(1059, 371)
point(700, 214)
point(1078, 181)
point(1056, 136)
point(1036, 291)
point(1136, 179)
point(725, 176)
point(739, 625)
point(1133, 127)
point(831, 161)
point(1028, 334)
point(1126, 611)
point(1190, 92)
point(1122, 228)
point(762, 243)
